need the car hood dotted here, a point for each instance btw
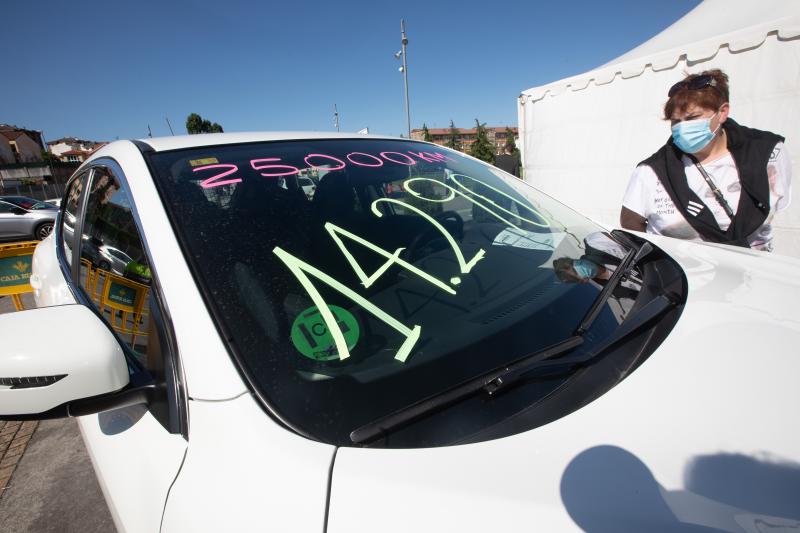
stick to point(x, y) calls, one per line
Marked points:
point(702, 436)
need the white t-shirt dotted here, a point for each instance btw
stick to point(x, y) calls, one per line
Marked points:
point(646, 196)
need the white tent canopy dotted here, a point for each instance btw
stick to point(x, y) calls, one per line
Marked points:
point(581, 137)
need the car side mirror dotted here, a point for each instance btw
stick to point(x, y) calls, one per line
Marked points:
point(18, 211)
point(78, 358)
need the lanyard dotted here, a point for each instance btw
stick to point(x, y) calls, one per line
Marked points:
point(717, 193)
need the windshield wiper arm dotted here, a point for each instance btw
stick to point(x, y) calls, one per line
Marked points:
point(628, 262)
point(488, 382)
point(653, 310)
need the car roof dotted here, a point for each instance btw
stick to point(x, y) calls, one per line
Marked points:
point(16, 197)
point(160, 144)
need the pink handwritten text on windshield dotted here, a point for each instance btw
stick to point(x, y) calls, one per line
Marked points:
point(409, 160)
point(216, 180)
point(257, 165)
point(431, 157)
point(378, 160)
point(312, 165)
point(271, 167)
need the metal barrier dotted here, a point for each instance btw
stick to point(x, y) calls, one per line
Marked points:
point(15, 270)
point(90, 282)
point(120, 300)
point(123, 302)
point(128, 299)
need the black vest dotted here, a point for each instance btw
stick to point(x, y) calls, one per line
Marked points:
point(751, 150)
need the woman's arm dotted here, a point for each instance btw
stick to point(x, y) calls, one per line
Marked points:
point(632, 221)
point(638, 198)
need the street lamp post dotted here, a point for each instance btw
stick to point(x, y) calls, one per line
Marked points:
point(404, 70)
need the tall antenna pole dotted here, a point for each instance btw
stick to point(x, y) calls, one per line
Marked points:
point(170, 126)
point(404, 41)
point(336, 117)
point(149, 133)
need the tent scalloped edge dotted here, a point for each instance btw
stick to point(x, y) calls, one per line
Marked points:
point(658, 63)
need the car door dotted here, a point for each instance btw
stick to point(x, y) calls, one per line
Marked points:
point(12, 224)
point(138, 450)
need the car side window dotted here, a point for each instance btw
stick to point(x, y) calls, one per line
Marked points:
point(71, 205)
point(115, 274)
point(118, 288)
point(6, 208)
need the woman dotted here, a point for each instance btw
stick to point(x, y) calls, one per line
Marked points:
point(714, 180)
point(580, 270)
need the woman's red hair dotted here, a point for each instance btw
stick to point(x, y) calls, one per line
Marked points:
point(709, 97)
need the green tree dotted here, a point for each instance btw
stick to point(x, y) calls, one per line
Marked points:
point(482, 147)
point(510, 142)
point(452, 137)
point(197, 124)
point(194, 124)
point(426, 135)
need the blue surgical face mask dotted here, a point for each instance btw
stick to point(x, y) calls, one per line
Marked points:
point(585, 269)
point(691, 136)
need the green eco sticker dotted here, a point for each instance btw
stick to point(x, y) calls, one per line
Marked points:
point(311, 337)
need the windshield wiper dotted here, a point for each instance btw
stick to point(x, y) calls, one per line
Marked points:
point(649, 312)
point(493, 381)
point(628, 262)
point(489, 383)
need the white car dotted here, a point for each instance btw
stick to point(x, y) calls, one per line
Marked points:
point(109, 258)
point(463, 354)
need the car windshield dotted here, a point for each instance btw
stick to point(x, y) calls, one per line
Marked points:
point(411, 269)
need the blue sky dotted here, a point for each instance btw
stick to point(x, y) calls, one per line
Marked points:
point(102, 70)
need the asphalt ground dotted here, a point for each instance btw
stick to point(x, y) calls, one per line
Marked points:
point(52, 487)
point(7, 306)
